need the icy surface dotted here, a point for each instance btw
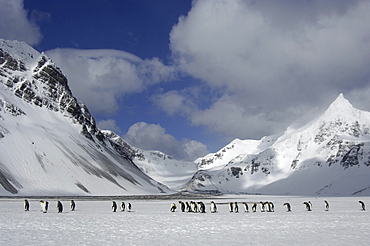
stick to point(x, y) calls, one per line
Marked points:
point(151, 223)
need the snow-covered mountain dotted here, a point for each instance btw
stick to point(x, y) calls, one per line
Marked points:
point(50, 145)
point(49, 142)
point(328, 155)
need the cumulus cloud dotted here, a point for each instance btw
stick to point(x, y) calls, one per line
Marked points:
point(271, 60)
point(102, 78)
point(109, 124)
point(154, 137)
point(15, 25)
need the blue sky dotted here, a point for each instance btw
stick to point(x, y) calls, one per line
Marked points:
point(187, 77)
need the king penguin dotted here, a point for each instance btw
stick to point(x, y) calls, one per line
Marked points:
point(114, 206)
point(122, 206)
point(44, 206)
point(59, 207)
point(231, 207)
point(254, 207)
point(26, 205)
point(326, 205)
point(308, 206)
point(288, 208)
point(362, 205)
point(246, 209)
point(72, 205)
point(173, 207)
point(213, 207)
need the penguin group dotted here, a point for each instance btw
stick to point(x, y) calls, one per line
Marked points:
point(122, 206)
point(45, 206)
point(193, 207)
point(199, 207)
point(233, 207)
point(267, 206)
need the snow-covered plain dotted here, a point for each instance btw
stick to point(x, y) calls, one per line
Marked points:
point(151, 223)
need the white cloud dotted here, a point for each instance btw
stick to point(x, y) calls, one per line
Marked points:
point(109, 124)
point(102, 78)
point(14, 24)
point(154, 137)
point(273, 60)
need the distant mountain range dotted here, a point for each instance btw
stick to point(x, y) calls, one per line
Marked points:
point(50, 145)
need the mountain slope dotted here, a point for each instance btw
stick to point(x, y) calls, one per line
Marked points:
point(328, 155)
point(49, 142)
point(159, 166)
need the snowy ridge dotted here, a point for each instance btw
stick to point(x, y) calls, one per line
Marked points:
point(328, 155)
point(49, 142)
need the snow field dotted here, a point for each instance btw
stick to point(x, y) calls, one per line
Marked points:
point(152, 223)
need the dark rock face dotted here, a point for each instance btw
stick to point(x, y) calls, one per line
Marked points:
point(48, 87)
point(9, 62)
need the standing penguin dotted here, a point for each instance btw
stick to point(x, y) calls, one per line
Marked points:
point(182, 206)
point(173, 207)
point(231, 207)
point(236, 208)
point(246, 209)
point(254, 207)
point(213, 207)
point(114, 206)
point(44, 206)
point(72, 205)
point(194, 207)
point(271, 207)
point(362, 205)
point(188, 207)
point(288, 208)
point(326, 205)
point(129, 207)
point(122, 206)
point(202, 207)
point(262, 206)
point(308, 206)
point(59, 207)
point(26, 205)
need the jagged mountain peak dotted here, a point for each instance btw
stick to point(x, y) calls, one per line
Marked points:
point(341, 108)
point(20, 51)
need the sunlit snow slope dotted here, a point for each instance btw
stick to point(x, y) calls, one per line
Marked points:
point(49, 142)
point(328, 155)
